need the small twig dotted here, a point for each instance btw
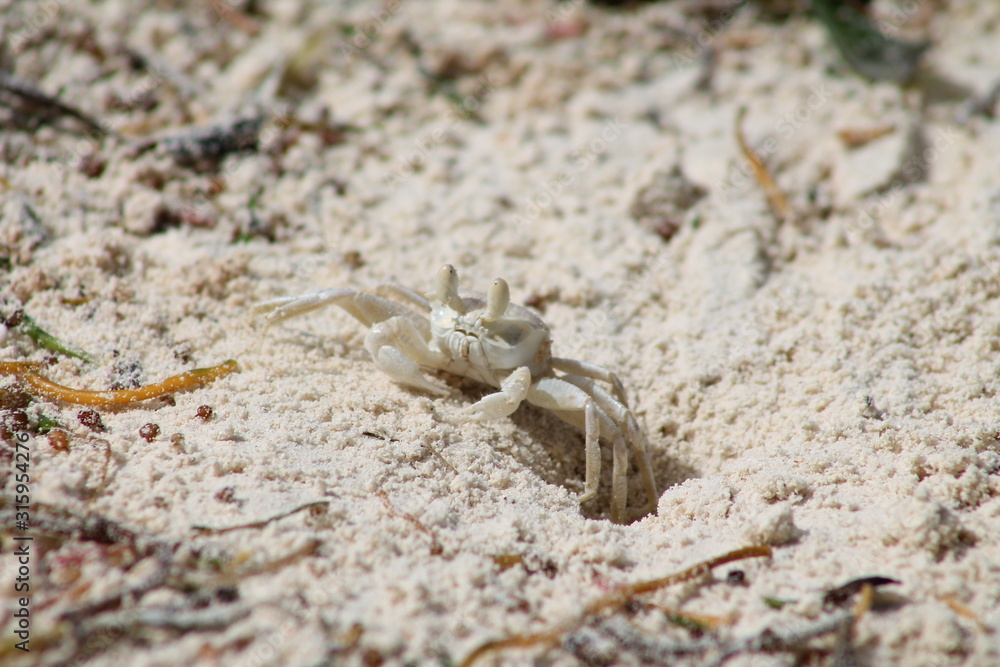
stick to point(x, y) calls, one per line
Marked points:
point(440, 457)
point(843, 647)
point(212, 618)
point(433, 451)
point(77, 624)
point(208, 530)
point(792, 641)
point(34, 97)
point(377, 436)
point(115, 598)
point(963, 611)
point(436, 548)
point(865, 600)
point(205, 145)
point(840, 594)
point(620, 596)
point(691, 620)
point(199, 579)
point(855, 138)
point(780, 208)
point(61, 525)
point(613, 600)
point(649, 649)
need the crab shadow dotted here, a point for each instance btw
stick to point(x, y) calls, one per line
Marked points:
point(554, 450)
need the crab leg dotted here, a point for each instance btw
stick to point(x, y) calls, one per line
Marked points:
point(626, 422)
point(592, 438)
point(513, 389)
point(366, 308)
point(398, 338)
point(589, 370)
point(398, 350)
point(638, 441)
point(414, 297)
point(574, 405)
point(619, 479)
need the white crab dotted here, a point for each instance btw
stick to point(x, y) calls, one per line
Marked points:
point(497, 342)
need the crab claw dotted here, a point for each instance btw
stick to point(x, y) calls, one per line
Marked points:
point(447, 289)
point(497, 300)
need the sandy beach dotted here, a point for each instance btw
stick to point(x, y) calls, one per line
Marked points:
point(820, 381)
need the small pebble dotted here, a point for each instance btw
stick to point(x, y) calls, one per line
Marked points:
point(178, 441)
point(149, 432)
point(227, 594)
point(91, 419)
point(15, 318)
point(736, 578)
point(16, 420)
point(13, 399)
point(353, 259)
point(59, 440)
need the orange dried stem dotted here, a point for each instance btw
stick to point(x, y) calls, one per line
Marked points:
point(183, 382)
point(855, 138)
point(18, 367)
point(775, 198)
point(864, 602)
point(962, 610)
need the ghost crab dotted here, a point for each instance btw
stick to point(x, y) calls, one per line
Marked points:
point(499, 343)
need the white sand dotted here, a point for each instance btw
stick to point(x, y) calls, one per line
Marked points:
point(826, 387)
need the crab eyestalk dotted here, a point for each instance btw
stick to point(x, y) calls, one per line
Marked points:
point(497, 300)
point(447, 289)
